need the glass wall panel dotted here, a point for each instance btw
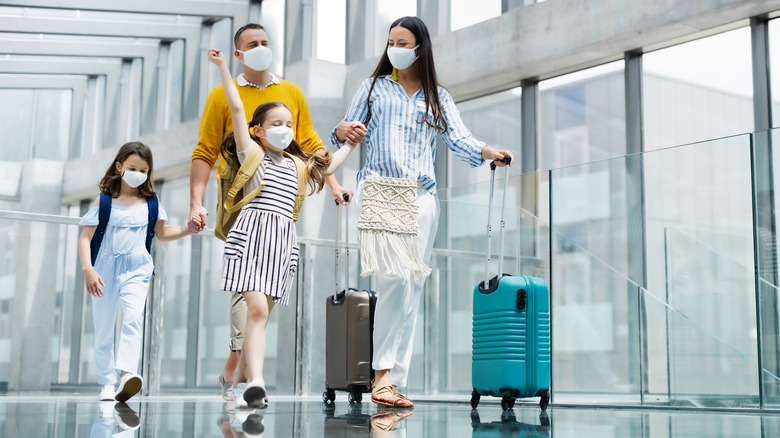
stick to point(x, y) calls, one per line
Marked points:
point(33, 269)
point(774, 69)
point(766, 168)
point(175, 260)
point(16, 124)
point(699, 239)
point(214, 322)
point(51, 134)
point(594, 301)
point(698, 90)
point(494, 119)
point(465, 14)
point(582, 116)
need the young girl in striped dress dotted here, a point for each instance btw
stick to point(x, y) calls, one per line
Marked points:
point(261, 254)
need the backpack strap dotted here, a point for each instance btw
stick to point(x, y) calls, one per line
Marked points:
point(254, 158)
point(300, 170)
point(153, 205)
point(104, 212)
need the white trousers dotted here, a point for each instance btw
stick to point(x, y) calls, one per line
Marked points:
point(398, 300)
point(129, 290)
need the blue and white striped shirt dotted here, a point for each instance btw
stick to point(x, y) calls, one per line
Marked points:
point(398, 144)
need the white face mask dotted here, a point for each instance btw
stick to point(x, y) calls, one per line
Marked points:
point(258, 59)
point(279, 136)
point(402, 58)
point(133, 178)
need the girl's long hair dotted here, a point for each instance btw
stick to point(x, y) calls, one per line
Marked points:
point(316, 164)
point(424, 68)
point(112, 181)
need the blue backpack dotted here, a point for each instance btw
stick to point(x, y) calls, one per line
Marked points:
point(104, 213)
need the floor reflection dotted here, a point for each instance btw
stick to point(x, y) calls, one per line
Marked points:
point(44, 415)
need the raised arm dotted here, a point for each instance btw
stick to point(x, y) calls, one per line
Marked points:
point(240, 130)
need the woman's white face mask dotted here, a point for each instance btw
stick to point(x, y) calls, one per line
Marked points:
point(402, 58)
point(258, 59)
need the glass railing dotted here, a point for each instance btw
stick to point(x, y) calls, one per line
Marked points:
point(651, 262)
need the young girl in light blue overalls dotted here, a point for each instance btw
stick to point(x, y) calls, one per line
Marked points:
point(122, 266)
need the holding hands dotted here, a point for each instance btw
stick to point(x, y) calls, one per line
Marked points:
point(351, 132)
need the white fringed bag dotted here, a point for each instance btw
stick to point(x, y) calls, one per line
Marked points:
point(388, 228)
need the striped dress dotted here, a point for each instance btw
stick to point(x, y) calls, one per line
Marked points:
point(261, 252)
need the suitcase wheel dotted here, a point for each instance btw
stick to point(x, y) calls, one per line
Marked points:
point(474, 399)
point(545, 400)
point(355, 397)
point(329, 396)
point(507, 401)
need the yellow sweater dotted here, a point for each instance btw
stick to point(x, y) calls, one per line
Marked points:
point(216, 122)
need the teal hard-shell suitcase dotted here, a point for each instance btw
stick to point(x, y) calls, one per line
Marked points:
point(510, 334)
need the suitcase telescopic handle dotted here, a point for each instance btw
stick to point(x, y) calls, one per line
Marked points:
point(346, 244)
point(493, 165)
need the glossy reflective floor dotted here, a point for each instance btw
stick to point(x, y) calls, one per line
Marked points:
point(47, 415)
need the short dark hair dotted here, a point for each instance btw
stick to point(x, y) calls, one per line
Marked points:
point(243, 28)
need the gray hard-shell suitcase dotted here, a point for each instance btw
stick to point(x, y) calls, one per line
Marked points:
point(349, 319)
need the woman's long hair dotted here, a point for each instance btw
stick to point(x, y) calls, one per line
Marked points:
point(316, 164)
point(424, 68)
point(112, 180)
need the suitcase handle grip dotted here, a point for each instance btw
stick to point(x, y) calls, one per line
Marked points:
point(505, 160)
point(521, 299)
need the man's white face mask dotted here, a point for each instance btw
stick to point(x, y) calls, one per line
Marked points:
point(258, 59)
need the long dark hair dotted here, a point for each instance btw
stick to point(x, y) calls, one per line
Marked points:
point(316, 164)
point(424, 68)
point(112, 180)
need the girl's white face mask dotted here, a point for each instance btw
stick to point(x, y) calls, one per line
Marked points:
point(133, 178)
point(402, 58)
point(279, 136)
point(258, 59)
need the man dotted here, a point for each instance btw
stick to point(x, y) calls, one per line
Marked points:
point(256, 85)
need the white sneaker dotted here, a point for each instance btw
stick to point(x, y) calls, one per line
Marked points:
point(107, 393)
point(238, 395)
point(129, 386)
point(255, 396)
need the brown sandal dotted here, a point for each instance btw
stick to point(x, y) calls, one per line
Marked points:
point(389, 396)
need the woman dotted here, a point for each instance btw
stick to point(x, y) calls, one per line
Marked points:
point(399, 111)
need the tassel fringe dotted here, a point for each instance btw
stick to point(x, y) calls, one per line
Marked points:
point(395, 252)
